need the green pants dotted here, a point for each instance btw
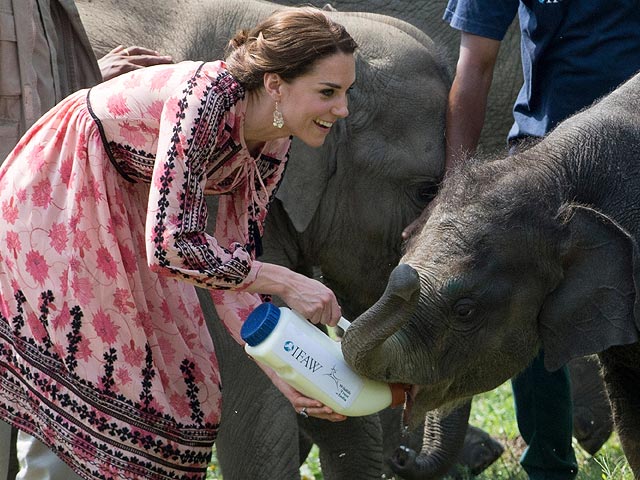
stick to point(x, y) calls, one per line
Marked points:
point(545, 420)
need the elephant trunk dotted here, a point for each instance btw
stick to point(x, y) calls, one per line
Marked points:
point(372, 345)
point(444, 435)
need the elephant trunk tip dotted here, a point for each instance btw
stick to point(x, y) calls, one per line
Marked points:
point(403, 281)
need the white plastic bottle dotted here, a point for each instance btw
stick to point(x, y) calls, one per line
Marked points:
point(312, 363)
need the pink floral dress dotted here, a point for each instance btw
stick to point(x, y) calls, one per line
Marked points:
point(104, 353)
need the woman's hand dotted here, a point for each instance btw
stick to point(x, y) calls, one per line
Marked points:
point(310, 298)
point(304, 406)
point(122, 60)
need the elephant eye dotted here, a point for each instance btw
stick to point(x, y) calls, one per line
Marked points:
point(464, 308)
point(428, 191)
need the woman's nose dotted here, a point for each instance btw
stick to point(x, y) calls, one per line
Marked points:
point(341, 110)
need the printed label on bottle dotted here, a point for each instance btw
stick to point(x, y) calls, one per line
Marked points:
point(330, 374)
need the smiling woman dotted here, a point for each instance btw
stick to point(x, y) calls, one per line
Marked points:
point(104, 217)
point(312, 103)
point(308, 86)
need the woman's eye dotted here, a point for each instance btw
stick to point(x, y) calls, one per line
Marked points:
point(327, 93)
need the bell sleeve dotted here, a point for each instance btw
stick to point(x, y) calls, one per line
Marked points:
point(176, 238)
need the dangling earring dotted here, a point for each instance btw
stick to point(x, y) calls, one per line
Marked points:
point(278, 119)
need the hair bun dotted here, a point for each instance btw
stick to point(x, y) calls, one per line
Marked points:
point(238, 40)
point(289, 42)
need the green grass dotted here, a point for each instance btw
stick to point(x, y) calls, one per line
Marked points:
point(493, 412)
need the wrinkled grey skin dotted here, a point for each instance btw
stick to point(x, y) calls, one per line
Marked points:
point(592, 422)
point(340, 210)
point(442, 452)
point(533, 250)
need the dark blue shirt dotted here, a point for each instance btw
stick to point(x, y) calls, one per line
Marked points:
point(573, 51)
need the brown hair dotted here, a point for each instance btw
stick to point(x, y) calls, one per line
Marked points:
point(288, 43)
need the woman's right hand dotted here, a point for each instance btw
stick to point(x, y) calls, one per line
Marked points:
point(310, 298)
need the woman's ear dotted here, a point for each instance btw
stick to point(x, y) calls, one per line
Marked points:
point(272, 84)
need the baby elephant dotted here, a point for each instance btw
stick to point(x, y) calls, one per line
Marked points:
point(534, 250)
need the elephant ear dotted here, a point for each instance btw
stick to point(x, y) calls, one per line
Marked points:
point(304, 183)
point(595, 306)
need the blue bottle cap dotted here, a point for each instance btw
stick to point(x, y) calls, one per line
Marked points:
point(260, 323)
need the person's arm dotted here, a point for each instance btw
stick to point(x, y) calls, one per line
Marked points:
point(468, 95)
point(178, 243)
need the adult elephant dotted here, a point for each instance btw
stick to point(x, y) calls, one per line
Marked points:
point(536, 249)
point(340, 209)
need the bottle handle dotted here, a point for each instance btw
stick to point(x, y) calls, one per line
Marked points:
point(344, 324)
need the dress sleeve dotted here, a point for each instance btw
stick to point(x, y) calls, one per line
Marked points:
point(176, 238)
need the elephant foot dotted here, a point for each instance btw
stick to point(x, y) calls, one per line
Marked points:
point(480, 450)
point(591, 435)
point(404, 463)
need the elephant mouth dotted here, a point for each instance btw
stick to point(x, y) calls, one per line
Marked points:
point(409, 399)
point(420, 399)
point(411, 395)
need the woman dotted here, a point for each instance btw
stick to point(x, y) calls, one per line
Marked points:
point(104, 355)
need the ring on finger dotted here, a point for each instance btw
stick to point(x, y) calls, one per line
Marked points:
point(303, 412)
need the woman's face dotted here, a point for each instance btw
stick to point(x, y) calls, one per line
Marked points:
point(310, 104)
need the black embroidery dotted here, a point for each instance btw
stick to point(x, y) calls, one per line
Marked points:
point(187, 367)
point(147, 374)
point(42, 394)
point(74, 338)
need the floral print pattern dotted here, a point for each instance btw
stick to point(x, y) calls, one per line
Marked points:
point(104, 353)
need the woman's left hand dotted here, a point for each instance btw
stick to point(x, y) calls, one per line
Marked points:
point(305, 406)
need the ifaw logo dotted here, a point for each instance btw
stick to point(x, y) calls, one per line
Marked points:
point(302, 357)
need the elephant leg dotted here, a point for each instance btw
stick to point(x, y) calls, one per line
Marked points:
point(592, 422)
point(622, 378)
point(441, 452)
point(351, 449)
point(258, 435)
point(479, 451)
point(305, 444)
